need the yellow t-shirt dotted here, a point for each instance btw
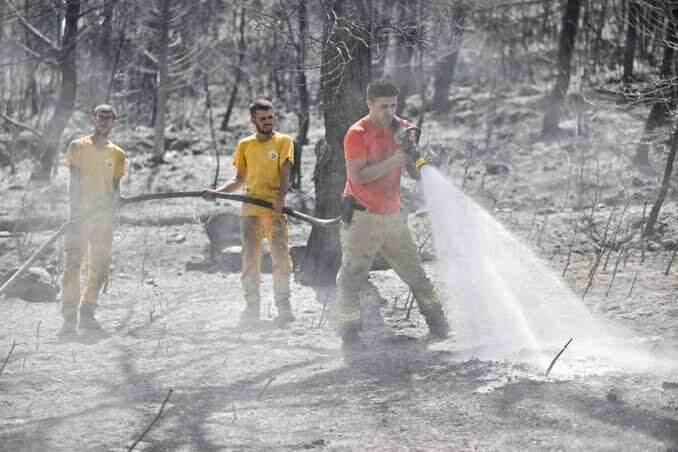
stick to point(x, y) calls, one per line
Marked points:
point(261, 163)
point(98, 169)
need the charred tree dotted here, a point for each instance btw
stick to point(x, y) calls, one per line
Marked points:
point(568, 33)
point(403, 50)
point(631, 40)
point(66, 58)
point(381, 37)
point(663, 190)
point(444, 67)
point(238, 71)
point(667, 93)
point(163, 22)
point(345, 73)
point(303, 114)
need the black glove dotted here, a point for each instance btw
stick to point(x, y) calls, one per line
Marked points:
point(402, 136)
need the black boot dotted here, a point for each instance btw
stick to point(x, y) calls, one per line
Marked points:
point(351, 340)
point(250, 315)
point(69, 328)
point(436, 321)
point(285, 314)
point(86, 320)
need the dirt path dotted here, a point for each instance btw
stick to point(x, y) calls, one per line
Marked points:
point(291, 389)
point(295, 389)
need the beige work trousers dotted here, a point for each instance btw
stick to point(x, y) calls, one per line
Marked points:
point(361, 240)
point(253, 229)
point(96, 236)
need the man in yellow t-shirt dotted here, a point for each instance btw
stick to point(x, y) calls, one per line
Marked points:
point(96, 166)
point(263, 163)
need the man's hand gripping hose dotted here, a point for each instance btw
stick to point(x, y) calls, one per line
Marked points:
point(409, 138)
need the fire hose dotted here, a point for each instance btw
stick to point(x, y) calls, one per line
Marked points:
point(322, 222)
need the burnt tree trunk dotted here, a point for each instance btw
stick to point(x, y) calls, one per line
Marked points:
point(162, 90)
point(345, 73)
point(444, 67)
point(104, 57)
point(568, 33)
point(304, 98)
point(667, 95)
point(404, 45)
point(631, 41)
point(381, 37)
point(654, 213)
point(66, 100)
point(238, 72)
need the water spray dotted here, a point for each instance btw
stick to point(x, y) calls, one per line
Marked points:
point(322, 222)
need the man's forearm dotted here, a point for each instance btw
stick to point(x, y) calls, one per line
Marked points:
point(231, 186)
point(370, 173)
point(285, 172)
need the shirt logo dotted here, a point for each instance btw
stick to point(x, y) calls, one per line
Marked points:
point(272, 154)
point(108, 163)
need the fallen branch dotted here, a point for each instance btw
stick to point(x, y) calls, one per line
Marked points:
point(21, 125)
point(37, 335)
point(169, 393)
point(268, 383)
point(8, 356)
point(673, 256)
point(633, 283)
point(557, 356)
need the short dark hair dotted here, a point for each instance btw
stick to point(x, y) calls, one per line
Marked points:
point(104, 108)
point(260, 104)
point(381, 87)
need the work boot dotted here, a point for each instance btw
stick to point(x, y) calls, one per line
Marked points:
point(250, 315)
point(351, 340)
point(86, 320)
point(285, 314)
point(69, 328)
point(436, 321)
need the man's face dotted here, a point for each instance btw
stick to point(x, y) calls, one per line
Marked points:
point(103, 122)
point(383, 109)
point(263, 121)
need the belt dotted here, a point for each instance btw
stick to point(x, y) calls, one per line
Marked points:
point(357, 206)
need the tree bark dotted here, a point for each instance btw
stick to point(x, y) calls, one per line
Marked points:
point(345, 73)
point(303, 113)
point(403, 50)
point(162, 88)
point(568, 33)
point(667, 95)
point(104, 55)
point(238, 72)
point(66, 100)
point(654, 213)
point(381, 37)
point(444, 67)
point(631, 40)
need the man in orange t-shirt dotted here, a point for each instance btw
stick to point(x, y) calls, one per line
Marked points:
point(374, 162)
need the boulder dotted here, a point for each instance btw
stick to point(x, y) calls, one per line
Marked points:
point(223, 230)
point(34, 285)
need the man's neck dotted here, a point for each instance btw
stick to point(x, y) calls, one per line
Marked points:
point(377, 123)
point(99, 140)
point(261, 137)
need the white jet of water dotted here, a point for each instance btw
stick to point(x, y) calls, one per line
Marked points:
point(501, 298)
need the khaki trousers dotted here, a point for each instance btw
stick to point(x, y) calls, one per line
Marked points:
point(96, 236)
point(367, 234)
point(252, 231)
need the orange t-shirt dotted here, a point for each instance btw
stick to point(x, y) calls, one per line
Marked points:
point(364, 140)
